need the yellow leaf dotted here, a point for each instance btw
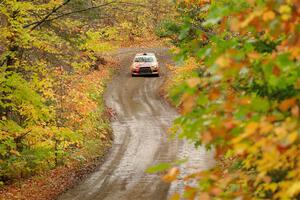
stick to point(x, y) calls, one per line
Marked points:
point(175, 196)
point(285, 9)
point(294, 189)
point(272, 186)
point(251, 128)
point(292, 137)
point(240, 148)
point(266, 127)
point(15, 152)
point(285, 17)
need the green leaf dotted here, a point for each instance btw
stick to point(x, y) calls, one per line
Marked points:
point(159, 168)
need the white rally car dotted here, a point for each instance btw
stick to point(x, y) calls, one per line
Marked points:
point(144, 64)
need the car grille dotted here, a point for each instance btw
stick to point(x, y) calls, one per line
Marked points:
point(145, 70)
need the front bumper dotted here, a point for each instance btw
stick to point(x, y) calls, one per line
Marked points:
point(145, 71)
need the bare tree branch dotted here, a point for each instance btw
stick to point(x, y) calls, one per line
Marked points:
point(44, 19)
point(79, 11)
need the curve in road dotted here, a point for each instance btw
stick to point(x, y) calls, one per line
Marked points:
point(140, 140)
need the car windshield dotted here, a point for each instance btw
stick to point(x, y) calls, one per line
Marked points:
point(144, 59)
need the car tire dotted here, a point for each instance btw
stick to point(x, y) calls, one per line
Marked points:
point(132, 75)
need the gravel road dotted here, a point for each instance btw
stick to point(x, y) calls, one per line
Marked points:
point(140, 139)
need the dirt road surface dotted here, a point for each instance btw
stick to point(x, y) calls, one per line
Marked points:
point(140, 140)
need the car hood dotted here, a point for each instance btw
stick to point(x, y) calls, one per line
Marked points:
point(145, 64)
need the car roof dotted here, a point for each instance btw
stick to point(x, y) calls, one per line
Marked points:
point(145, 54)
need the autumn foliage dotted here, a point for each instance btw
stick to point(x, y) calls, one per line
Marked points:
point(242, 98)
point(51, 106)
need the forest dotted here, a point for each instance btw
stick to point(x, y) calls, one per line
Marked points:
point(236, 84)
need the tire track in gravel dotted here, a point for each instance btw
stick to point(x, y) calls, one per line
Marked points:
point(140, 139)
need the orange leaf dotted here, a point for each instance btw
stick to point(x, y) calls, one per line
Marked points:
point(204, 196)
point(271, 118)
point(276, 71)
point(295, 111)
point(188, 102)
point(245, 101)
point(216, 191)
point(214, 94)
point(251, 17)
point(206, 137)
point(254, 55)
point(193, 82)
point(234, 24)
point(268, 16)
point(220, 151)
point(282, 148)
point(171, 175)
point(204, 37)
point(229, 124)
point(223, 61)
point(287, 104)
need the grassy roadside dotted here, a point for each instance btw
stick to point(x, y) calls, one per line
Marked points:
point(84, 111)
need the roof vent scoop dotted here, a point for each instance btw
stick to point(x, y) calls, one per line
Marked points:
point(144, 54)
